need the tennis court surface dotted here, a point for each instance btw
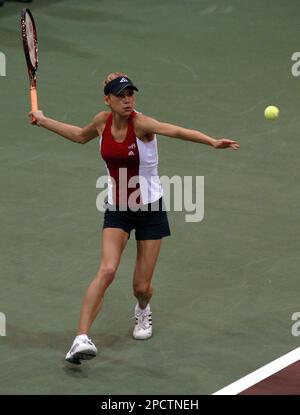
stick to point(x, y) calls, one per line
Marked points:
point(225, 288)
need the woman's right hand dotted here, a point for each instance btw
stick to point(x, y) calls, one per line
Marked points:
point(38, 116)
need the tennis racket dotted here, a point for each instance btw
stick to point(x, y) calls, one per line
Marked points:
point(30, 46)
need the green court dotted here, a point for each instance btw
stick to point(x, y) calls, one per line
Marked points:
point(225, 288)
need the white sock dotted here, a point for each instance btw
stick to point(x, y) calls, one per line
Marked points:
point(81, 337)
point(141, 310)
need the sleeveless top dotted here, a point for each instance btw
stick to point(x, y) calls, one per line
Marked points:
point(132, 167)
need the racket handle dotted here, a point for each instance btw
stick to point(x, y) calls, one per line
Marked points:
point(34, 102)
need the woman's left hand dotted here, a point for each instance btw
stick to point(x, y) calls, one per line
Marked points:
point(225, 143)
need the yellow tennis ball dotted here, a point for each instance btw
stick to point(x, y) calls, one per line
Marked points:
point(271, 112)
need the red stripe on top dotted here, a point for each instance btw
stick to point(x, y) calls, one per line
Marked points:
point(122, 160)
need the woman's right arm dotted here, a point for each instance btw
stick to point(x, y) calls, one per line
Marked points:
point(71, 132)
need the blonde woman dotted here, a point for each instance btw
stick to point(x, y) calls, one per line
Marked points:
point(128, 145)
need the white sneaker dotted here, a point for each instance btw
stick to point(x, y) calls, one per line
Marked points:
point(143, 323)
point(82, 349)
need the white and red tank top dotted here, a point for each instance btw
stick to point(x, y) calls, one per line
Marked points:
point(131, 166)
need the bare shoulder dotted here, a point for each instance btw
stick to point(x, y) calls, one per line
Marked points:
point(140, 119)
point(141, 127)
point(99, 121)
point(100, 118)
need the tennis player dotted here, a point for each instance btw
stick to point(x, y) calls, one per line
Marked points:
point(128, 145)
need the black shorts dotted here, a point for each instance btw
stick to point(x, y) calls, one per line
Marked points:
point(150, 222)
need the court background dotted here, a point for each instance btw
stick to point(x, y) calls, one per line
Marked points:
point(225, 288)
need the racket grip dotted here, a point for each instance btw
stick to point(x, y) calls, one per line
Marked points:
point(34, 102)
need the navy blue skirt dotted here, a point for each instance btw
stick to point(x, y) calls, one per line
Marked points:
point(149, 222)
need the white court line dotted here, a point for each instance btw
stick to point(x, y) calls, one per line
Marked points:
point(260, 374)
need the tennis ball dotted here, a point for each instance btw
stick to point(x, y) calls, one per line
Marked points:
point(271, 112)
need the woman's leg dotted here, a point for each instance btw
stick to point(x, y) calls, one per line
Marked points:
point(113, 243)
point(147, 254)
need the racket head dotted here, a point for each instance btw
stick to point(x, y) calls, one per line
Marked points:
point(30, 44)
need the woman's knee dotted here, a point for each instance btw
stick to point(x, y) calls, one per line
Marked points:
point(107, 273)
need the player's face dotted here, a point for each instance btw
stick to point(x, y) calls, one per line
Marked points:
point(123, 103)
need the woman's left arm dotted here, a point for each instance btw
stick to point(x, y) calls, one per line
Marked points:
point(150, 125)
